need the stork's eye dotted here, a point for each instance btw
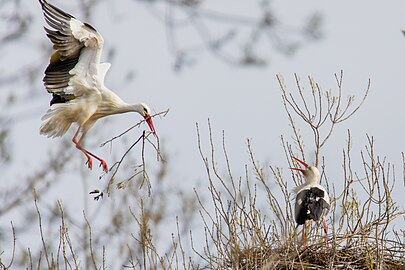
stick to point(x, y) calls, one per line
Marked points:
point(145, 110)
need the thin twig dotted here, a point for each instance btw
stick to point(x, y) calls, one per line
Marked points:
point(163, 114)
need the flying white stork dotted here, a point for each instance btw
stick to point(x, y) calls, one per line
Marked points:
point(75, 77)
point(312, 200)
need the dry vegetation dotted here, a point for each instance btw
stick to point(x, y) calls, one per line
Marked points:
point(362, 237)
point(242, 235)
point(230, 221)
point(247, 220)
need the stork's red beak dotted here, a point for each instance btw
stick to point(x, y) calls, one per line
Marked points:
point(300, 161)
point(299, 169)
point(148, 120)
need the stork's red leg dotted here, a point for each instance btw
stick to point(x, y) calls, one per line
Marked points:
point(88, 154)
point(304, 236)
point(89, 161)
point(325, 229)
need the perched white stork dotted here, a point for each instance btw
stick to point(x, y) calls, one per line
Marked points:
point(75, 77)
point(312, 200)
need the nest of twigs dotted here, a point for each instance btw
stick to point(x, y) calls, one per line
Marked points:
point(348, 254)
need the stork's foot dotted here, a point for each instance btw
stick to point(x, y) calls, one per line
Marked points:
point(89, 163)
point(327, 246)
point(104, 165)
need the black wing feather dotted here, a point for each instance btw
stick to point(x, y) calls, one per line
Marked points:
point(310, 205)
point(68, 49)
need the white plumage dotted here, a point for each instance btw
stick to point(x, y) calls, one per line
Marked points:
point(312, 200)
point(75, 77)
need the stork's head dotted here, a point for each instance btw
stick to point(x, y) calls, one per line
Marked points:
point(144, 110)
point(311, 173)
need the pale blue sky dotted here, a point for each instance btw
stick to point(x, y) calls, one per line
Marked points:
point(362, 38)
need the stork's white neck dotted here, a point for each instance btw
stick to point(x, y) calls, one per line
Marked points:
point(312, 175)
point(124, 108)
point(311, 179)
point(113, 104)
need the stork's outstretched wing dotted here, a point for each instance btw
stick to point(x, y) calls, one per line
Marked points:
point(74, 68)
